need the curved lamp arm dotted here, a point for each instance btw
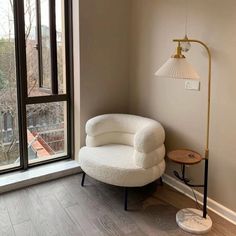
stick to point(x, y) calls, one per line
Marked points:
point(209, 89)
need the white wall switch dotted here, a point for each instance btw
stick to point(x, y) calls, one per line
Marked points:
point(192, 85)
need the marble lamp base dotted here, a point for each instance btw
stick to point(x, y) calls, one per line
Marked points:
point(191, 220)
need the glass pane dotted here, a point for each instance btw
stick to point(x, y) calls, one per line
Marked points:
point(47, 136)
point(60, 27)
point(9, 134)
point(45, 41)
point(32, 56)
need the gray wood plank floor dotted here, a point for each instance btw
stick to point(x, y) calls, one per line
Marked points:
point(63, 207)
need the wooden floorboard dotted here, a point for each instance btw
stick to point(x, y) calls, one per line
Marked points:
point(7, 231)
point(62, 207)
point(16, 206)
point(26, 228)
point(5, 221)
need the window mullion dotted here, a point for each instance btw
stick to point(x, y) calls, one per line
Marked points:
point(21, 73)
point(53, 46)
point(39, 43)
point(68, 12)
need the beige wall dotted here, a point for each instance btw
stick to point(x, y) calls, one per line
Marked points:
point(117, 75)
point(104, 35)
point(153, 24)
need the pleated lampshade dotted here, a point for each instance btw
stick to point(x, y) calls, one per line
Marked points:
point(177, 68)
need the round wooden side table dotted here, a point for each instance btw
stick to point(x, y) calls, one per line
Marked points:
point(184, 157)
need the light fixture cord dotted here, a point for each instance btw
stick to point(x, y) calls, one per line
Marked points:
point(186, 17)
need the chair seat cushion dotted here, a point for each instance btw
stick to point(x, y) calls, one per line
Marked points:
point(114, 164)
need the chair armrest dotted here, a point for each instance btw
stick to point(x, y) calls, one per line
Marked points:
point(148, 160)
point(149, 138)
point(95, 126)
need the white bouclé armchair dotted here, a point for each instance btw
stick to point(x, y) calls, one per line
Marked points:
point(123, 150)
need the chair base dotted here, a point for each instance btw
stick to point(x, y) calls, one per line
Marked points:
point(161, 181)
point(126, 199)
point(83, 178)
point(125, 191)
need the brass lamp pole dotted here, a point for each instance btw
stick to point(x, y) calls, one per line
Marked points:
point(208, 114)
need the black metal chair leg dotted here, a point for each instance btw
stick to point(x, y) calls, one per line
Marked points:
point(161, 181)
point(126, 199)
point(83, 178)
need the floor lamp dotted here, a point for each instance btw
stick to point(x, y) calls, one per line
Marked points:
point(177, 67)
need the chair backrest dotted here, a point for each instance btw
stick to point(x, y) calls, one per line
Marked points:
point(115, 129)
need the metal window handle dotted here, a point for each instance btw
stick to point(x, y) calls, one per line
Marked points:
point(36, 46)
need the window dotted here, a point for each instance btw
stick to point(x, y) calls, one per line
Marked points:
point(45, 42)
point(36, 71)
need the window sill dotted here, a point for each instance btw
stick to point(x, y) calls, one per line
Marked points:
point(21, 179)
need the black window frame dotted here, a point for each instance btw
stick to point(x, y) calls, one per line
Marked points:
point(22, 89)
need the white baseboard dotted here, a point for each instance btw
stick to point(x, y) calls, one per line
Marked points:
point(212, 205)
